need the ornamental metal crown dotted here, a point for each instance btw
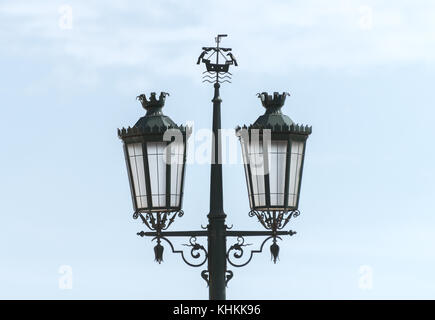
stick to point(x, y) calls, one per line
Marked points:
point(152, 103)
point(275, 101)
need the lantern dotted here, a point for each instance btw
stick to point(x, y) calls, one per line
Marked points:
point(273, 150)
point(155, 154)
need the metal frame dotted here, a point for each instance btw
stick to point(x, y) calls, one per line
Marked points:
point(130, 136)
point(288, 134)
point(237, 247)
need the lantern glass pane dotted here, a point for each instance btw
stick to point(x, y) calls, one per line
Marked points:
point(157, 168)
point(245, 164)
point(277, 162)
point(256, 161)
point(177, 162)
point(296, 156)
point(135, 157)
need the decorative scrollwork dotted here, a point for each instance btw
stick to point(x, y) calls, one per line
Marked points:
point(239, 252)
point(274, 220)
point(159, 221)
point(251, 213)
point(238, 247)
point(198, 252)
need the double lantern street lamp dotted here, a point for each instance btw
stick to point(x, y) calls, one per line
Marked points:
point(273, 150)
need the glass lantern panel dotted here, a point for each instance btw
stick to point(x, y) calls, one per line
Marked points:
point(256, 161)
point(157, 168)
point(296, 156)
point(135, 157)
point(245, 164)
point(177, 162)
point(277, 161)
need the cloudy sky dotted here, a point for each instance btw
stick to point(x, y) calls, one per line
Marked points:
point(360, 72)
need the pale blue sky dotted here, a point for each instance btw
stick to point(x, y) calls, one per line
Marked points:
point(360, 72)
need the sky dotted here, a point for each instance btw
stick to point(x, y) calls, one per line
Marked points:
point(360, 72)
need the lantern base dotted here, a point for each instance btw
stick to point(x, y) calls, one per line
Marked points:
point(158, 221)
point(274, 220)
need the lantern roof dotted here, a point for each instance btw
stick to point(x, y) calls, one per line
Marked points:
point(273, 115)
point(154, 120)
point(274, 119)
point(154, 115)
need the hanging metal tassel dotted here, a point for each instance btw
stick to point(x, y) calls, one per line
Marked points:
point(274, 251)
point(158, 252)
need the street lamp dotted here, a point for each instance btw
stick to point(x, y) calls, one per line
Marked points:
point(155, 166)
point(155, 163)
point(273, 151)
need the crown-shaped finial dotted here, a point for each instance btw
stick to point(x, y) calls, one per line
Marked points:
point(152, 105)
point(272, 102)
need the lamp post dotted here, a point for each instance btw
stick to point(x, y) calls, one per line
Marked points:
point(273, 150)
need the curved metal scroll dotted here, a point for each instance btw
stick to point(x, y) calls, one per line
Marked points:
point(195, 252)
point(239, 252)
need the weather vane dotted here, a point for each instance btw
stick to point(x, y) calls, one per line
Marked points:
point(217, 72)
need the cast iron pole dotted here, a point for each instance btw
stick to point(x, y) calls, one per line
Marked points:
point(217, 251)
point(216, 217)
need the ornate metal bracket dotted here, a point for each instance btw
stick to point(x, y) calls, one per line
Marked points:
point(200, 255)
point(159, 221)
point(238, 251)
point(197, 251)
point(274, 220)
